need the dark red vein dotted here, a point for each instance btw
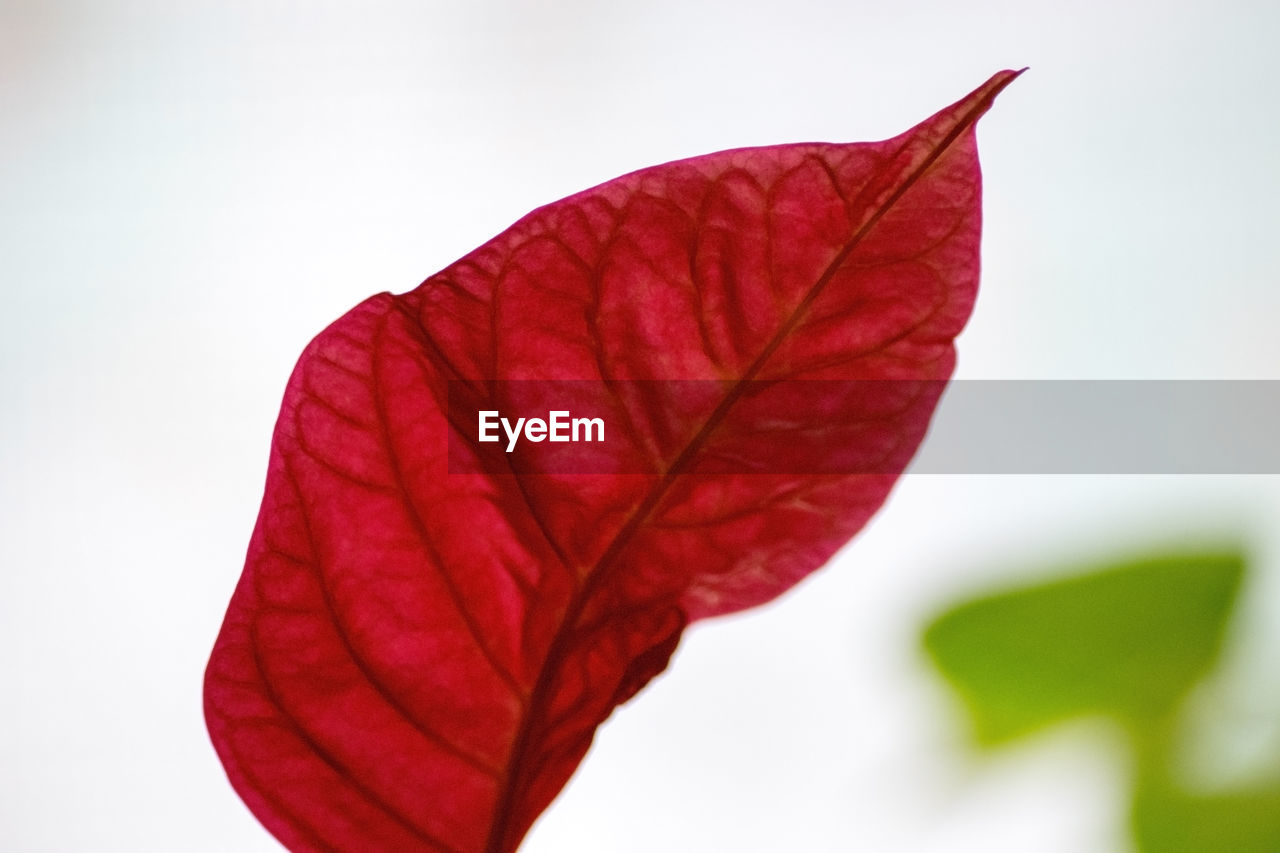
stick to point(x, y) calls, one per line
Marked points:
point(559, 645)
point(333, 763)
point(473, 761)
point(418, 523)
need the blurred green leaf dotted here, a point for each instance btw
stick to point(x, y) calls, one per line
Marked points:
point(1167, 821)
point(1128, 642)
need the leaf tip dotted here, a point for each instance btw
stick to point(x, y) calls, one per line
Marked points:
point(997, 83)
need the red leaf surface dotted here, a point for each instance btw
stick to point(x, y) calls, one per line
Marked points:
point(416, 659)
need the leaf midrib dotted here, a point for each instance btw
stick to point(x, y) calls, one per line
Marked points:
point(503, 810)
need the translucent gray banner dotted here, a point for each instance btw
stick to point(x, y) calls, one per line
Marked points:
point(865, 426)
point(1104, 427)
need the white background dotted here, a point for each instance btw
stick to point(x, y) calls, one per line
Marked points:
point(190, 190)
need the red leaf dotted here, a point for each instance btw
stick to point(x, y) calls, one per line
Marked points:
point(416, 659)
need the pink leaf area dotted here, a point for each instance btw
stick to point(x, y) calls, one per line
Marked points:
point(421, 647)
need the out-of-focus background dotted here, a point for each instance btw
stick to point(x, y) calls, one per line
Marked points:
point(189, 191)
